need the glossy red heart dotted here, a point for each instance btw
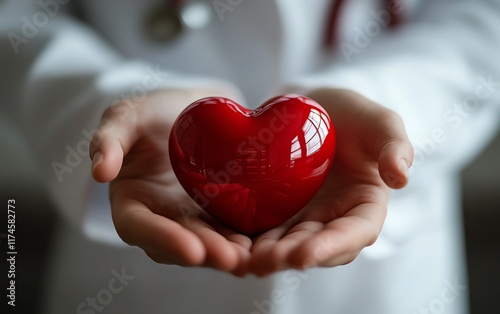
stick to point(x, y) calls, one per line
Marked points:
point(252, 170)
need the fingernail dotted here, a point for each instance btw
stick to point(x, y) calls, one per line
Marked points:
point(403, 166)
point(98, 158)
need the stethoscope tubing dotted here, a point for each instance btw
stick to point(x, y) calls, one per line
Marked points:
point(332, 22)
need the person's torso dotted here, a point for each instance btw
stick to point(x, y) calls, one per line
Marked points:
point(255, 44)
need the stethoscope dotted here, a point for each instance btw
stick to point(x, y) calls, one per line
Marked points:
point(175, 17)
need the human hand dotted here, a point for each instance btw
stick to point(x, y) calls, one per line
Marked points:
point(130, 150)
point(373, 154)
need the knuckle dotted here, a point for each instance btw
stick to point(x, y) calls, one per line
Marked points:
point(118, 112)
point(391, 116)
point(125, 236)
point(123, 232)
point(351, 257)
point(115, 109)
point(372, 236)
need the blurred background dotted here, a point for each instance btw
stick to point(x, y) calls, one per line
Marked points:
point(481, 212)
point(37, 220)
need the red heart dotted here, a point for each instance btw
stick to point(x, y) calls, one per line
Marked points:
point(252, 170)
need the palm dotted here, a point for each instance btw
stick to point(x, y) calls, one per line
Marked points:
point(353, 180)
point(348, 211)
point(147, 177)
point(150, 208)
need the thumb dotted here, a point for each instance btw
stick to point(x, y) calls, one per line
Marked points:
point(115, 136)
point(392, 149)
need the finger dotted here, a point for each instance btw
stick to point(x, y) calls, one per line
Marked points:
point(242, 269)
point(115, 136)
point(158, 258)
point(239, 239)
point(240, 243)
point(220, 252)
point(381, 129)
point(231, 235)
point(341, 239)
point(138, 226)
point(262, 246)
point(244, 256)
point(391, 146)
point(273, 256)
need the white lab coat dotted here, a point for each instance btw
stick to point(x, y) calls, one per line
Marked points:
point(433, 71)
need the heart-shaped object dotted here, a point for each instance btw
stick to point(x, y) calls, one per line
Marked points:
point(252, 170)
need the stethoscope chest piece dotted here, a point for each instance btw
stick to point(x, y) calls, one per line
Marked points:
point(164, 24)
point(167, 22)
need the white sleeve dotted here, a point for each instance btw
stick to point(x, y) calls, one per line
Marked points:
point(58, 77)
point(439, 71)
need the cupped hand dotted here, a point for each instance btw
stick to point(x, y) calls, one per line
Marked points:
point(373, 154)
point(150, 209)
